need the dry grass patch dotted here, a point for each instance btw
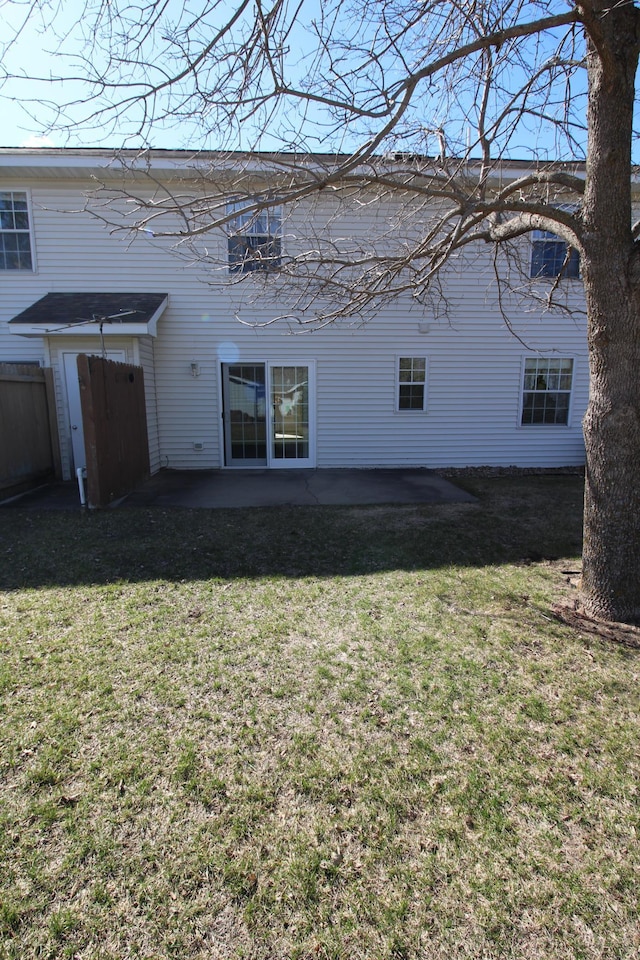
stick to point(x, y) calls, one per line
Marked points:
point(334, 733)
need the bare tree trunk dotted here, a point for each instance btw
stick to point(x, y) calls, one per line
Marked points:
point(611, 269)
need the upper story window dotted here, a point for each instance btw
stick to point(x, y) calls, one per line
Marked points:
point(254, 239)
point(546, 391)
point(15, 234)
point(549, 256)
point(412, 383)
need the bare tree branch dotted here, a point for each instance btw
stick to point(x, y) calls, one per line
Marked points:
point(418, 114)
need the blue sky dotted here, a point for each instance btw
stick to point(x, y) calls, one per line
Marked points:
point(26, 117)
point(42, 49)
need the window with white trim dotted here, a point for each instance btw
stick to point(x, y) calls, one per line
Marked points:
point(553, 257)
point(15, 233)
point(546, 393)
point(412, 383)
point(254, 241)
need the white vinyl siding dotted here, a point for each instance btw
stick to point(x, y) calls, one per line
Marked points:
point(475, 369)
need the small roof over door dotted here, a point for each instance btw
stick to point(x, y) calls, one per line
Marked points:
point(108, 314)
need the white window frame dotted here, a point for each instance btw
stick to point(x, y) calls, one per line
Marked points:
point(398, 382)
point(273, 462)
point(548, 237)
point(523, 390)
point(259, 228)
point(32, 245)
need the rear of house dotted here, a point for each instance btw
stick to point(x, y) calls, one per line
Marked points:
point(233, 380)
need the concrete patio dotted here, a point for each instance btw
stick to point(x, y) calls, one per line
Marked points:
point(224, 489)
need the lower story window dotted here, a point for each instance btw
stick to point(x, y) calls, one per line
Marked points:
point(412, 383)
point(546, 391)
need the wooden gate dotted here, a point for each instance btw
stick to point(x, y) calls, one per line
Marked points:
point(114, 421)
point(29, 448)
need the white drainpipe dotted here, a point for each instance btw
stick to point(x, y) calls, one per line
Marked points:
point(81, 474)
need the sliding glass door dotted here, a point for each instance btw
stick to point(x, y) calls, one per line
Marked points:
point(245, 414)
point(268, 414)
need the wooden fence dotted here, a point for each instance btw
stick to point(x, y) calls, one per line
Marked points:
point(114, 421)
point(29, 447)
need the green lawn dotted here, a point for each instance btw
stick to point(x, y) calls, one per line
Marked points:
point(347, 733)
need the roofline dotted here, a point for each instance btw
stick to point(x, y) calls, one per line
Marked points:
point(112, 163)
point(148, 329)
point(181, 154)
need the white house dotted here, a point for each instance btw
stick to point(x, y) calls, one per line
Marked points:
point(225, 387)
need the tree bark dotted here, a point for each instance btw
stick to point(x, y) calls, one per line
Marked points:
point(611, 273)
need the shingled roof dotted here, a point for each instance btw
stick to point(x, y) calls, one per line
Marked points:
point(66, 310)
